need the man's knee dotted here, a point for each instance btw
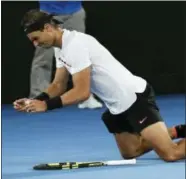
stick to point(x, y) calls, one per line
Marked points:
point(134, 152)
point(130, 145)
point(128, 156)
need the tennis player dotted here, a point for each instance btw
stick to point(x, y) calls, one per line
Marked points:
point(132, 114)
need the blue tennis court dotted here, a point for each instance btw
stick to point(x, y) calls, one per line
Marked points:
point(71, 134)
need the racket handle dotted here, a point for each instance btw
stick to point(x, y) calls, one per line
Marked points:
point(121, 162)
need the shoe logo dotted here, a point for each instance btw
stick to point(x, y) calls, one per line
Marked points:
point(142, 121)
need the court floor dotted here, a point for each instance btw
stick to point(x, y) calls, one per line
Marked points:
point(72, 134)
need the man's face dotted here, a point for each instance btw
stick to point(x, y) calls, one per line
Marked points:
point(45, 38)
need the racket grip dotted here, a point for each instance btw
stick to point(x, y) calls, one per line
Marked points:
point(121, 162)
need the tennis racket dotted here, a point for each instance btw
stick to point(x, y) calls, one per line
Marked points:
point(77, 165)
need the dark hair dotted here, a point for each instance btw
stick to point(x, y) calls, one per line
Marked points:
point(35, 20)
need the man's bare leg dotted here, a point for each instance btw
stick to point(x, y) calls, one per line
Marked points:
point(158, 137)
point(133, 145)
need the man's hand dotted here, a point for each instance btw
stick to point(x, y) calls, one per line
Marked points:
point(35, 106)
point(20, 104)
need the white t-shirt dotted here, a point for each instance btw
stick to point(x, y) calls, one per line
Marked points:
point(110, 80)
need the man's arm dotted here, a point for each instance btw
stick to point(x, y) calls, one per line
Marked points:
point(80, 68)
point(81, 89)
point(80, 92)
point(59, 84)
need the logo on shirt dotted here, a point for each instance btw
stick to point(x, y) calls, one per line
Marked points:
point(64, 62)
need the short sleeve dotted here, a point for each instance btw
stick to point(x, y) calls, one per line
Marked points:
point(59, 62)
point(79, 58)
